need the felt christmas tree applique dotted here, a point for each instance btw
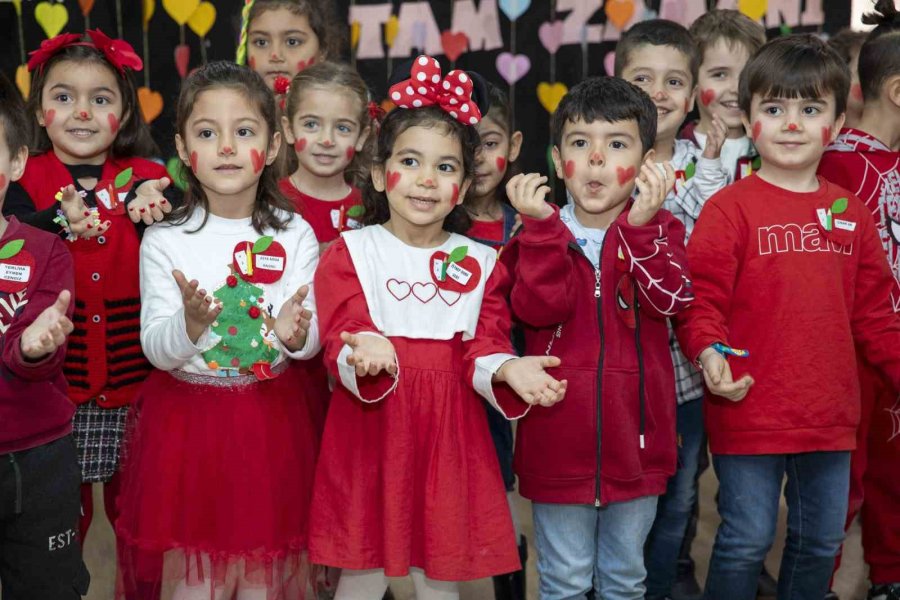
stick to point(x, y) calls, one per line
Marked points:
point(244, 333)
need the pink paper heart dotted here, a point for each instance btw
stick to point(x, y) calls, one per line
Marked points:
point(609, 63)
point(551, 34)
point(182, 57)
point(512, 67)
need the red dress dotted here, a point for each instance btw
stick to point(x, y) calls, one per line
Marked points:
point(412, 480)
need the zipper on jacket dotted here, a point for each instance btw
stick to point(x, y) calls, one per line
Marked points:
point(640, 357)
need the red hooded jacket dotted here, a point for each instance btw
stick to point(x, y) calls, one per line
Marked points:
point(613, 436)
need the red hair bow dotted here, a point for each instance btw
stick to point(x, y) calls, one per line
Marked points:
point(426, 88)
point(118, 53)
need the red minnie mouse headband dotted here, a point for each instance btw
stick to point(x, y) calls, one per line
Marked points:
point(118, 53)
point(425, 87)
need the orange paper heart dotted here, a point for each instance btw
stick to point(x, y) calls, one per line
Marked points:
point(619, 12)
point(23, 80)
point(151, 103)
point(86, 6)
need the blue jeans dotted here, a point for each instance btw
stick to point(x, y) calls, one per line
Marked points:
point(816, 491)
point(581, 547)
point(675, 508)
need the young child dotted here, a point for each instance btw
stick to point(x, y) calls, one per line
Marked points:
point(89, 138)
point(413, 317)
point(661, 58)
point(789, 275)
point(725, 39)
point(220, 466)
point(40, 477)
point(594, 282)
point(847, 43)
point(866, 161)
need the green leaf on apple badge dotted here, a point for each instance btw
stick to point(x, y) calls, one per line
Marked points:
point(10, 249)
point(123, 178)
point(262, 244)
point(458, 253)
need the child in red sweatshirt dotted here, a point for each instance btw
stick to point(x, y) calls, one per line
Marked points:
point(789, 274)
point(39, 476)
point(593, 285)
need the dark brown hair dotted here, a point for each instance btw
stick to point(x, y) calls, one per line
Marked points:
point(226, 75)
point(133, 138)
point(730, 25)
point(343, 80)
point(879, 57)
point(13, 117)
point(657, 32)
point(795, 66)
point(322, 20)
point(609, 99)
point(846, 41)
point(399, 120)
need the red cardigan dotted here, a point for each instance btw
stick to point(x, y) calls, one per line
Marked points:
point(612, 438)
point(105, 361)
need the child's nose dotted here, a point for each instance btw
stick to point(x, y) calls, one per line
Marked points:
point(792, 127)
point(83, 115)
point(596, 158)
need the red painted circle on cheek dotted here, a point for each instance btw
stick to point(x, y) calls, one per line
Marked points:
point(351, 152)
point(757, 129)
point(300, 144)
point(392, 180)
point(707, 96)
point(2, 181)
point(194, 161)
point(856, 91)
point(501, 164)
point(252, 62)
point(113, 123)
point(569, 168)
point(49, 115)
point(302, 65)
point(455, 198)
point(826, 136)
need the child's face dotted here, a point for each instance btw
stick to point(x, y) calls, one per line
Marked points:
point(325, 132)
point(717, 82)
point(81, 109)
point(226, 142)
point(599, 161)
point(498, 150)
point(424, 177)
point(664, 73)
point(12, 165)
point(792, 133)
point(281, 44)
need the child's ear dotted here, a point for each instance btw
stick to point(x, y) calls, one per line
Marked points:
point(648, 155)
point(838, 125)
point(363, 138)
point(692, 101)
point(515, 146)
point(286, 128)
point(892, 90)
point(182, 150)
point(747, 128)
point(378, 177)
point(557, 162)
point(17, 164)
point(274, 147)
point(462, 190)
point(39, 115)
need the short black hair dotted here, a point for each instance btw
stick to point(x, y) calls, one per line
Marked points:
point(795, 66)
point(609, 99)
point(657, 32)
point(879, 57)
point(13, 117)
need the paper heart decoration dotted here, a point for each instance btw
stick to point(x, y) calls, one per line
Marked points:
point(513, 9)
point(51, 17)
point(391, 27)
point(550, 95)
point(354, 34)
point(203, 18)
point(609, 63)
point(86, 6)
point(551, 35)
point(149, 7)
point(182, 57)
point(619, 12)
point(512, 67)
point(23, 80)
point(180, 10)
point(151, 103)
point(454, 44)
point(755, 9)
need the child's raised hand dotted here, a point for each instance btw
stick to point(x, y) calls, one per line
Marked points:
point(717, 374)
point(371, 354)
point(653, 187)
point(527, 377)
point(292, 323)
point(526, 192)
point(48, 332)
point(199, 309)
point(81, 219)
point(715, 138)
point(150, 206)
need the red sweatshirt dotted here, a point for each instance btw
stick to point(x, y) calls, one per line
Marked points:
point(613, 436)
point(771, 279)
point(34, 407)
point(327, 218)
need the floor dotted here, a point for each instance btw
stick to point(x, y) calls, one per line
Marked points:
point(850, 583)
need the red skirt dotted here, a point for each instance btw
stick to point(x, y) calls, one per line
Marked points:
point(413, 480)
point(216, 488)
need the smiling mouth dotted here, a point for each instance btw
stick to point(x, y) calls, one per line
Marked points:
point(228, 167)
point(422, 202)
point(730, 105)
point(81, 133)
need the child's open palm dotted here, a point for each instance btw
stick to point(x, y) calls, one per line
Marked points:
point(81, 219)
point(527, 377)
point(199, 309)
point(292, 323)
point(371, 354)
point(48, 332)
point(150, 206)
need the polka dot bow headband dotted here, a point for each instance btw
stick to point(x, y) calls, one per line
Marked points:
point(426, 88)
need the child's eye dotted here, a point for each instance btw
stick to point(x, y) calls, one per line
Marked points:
point(102, 100)
point(617, 145)
point(245, 132)
point(294, 42)
point(580, 143)
point(310, 124)
point(446, 168)
point(718, 74)
point(260, 42)
point(62, 97)
point(773, 110)
point(676, 82)
point(205, 134)
point(811, 110)
point(491, 145)
point(409, 162)
point(345, 128)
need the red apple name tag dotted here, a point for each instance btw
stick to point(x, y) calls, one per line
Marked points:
point(456, 271)
point(16, 267)
point(262, 261)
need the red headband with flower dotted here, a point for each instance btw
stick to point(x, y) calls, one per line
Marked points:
point(118, 53)
point(425, 87)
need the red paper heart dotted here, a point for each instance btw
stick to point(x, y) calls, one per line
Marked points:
point(625, 175)
point(300, 144)
point(454, 199)
point(182, 57)
point(259, 160)
point(454, 44)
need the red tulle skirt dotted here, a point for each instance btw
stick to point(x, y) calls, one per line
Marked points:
point(216, 489)
point(413, 480)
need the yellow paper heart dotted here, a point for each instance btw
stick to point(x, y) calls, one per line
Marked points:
point(203, 18)
point(354, 34)
point(51, 17)
point(755, 9)
point(550, 95)
point(151, 103)
point(390, 30)
point(23, 80)
point(180, 10)
point(619, 12)
point(149, 9)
